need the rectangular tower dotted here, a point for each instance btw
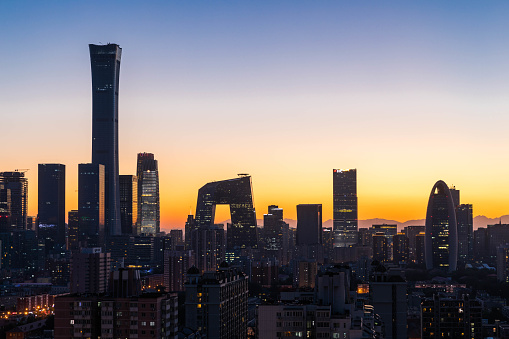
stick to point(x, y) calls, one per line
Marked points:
point(91, 210)
point(105, 64)
point(345, 207)
point(14, 190)
point(148, 194)
point(129, 203)
point(309, 224)
point(465, 220)
point(51, 204)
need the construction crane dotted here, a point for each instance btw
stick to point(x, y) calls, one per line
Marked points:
point(23, 170)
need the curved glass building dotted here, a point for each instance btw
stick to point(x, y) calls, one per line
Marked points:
point(441, 238)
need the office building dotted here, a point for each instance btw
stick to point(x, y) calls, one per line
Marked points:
point(73, 231)
point(389, 298)
point(412, 232)
point(105, 66)
point(400, 252)
point(449, 317)
point(216, 302)
point(238, 194)
point(189, 228)
point(176, 238)
point(51, 204)
point(13, 200)
point(309, 224)
point(209, 247)
point(91, 208)
point(176, 264)
point(90, 270)
point(441, 238)
point(128, 204)
point(380, 247)
point(465, 220)
point(345, 207)
point(148, 194)
point(275, 231)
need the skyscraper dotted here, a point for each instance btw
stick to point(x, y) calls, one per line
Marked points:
point(14, 193)
point(91, 209)
point(345, 207)
point(105, 64)
point(441, 239)
point(238, 194)
point(464, 216)
point(51, 204)
point(309, 224)
point(128, 203)
point(148, 194)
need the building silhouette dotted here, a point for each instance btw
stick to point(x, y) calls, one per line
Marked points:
point(13, 201)
point(128, 203)
point(464, 216)
point(216, 302)
point(91, 201)
point(345, 207)
point(51, 204)
point(105, 66)
point(148, 194)
point(309, 224)
point(441, 238)
point(239, 195)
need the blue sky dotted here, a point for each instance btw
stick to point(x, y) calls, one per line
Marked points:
point(412, 91)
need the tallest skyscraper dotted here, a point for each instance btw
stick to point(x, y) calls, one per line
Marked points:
point(105, 64)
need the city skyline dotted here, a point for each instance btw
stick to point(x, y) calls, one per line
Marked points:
point(382, 109)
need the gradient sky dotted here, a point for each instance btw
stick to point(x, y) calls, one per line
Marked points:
point(407, 92)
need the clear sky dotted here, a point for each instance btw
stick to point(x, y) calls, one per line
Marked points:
point(407, 92)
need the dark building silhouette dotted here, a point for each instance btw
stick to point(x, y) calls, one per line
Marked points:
point(90, 269)
point(464, 216)
point(309, 224)
point(148, 194)
point(51, 204)
point(128, 203)
point(216, 302)
point(91, 201)
point(238, 194)
point(389, 294)
point(13, 201)
point(412, 232)
point(481, 244)
point(189, 229)
point(209, 247)
point(400, 250)
point(275, 234)
point(345, 207)
point(380, 247)
point(105, 66)
point(441, 239)
point(73, 226)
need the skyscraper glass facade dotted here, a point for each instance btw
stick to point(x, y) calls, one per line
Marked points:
point(105, 65)
point(148, 194)
point(441, 239)
point(51, 204)
point(345, 207)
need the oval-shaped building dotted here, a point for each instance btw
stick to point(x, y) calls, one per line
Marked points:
point(441, 238)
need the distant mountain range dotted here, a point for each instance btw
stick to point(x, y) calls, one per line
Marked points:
point(479, 221)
